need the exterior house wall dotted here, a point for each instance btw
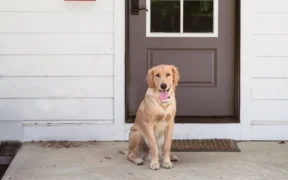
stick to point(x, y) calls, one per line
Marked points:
point(57, 67)
point(264, 62)
point(62, 72)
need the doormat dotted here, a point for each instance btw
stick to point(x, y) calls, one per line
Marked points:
point(205, 145)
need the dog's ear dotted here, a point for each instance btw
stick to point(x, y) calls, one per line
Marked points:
point(150, 78)
point(176, 75)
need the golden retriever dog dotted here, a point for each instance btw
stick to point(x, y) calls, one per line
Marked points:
point(151, 134)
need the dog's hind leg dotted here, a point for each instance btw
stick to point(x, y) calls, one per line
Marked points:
point(135, 137)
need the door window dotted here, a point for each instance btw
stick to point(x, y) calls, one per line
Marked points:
point(182, 18)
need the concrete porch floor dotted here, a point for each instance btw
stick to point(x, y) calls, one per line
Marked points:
point(257, 161)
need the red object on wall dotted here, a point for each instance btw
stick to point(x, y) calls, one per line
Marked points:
point(79, 0)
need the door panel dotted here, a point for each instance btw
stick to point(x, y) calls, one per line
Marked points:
point(197, 66)
point(196, 36)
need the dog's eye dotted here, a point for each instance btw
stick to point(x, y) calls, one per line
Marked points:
point(157, 75)
point(168, 74)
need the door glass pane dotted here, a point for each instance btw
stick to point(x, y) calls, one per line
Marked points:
point(165, 16)
point(198, 16)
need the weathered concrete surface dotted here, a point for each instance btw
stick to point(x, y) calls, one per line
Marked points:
point(257, 161)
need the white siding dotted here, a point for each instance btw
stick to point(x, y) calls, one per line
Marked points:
point(56, 109)
point(264, 70)
point(270, 23)
point(55, 6)
point(56, 44)
point(267, 6)
point(56, 22)
point(56, 61)
point(267, 45)
point(11, 130)
point(270, 67)
point(56, 65)
point(270, 89)
point(56, 87)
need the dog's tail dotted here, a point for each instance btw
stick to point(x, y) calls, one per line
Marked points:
point(123, 152)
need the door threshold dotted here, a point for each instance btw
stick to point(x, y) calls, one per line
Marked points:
point(199, 119)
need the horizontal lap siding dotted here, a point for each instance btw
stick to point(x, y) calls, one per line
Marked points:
point(55, 6)
point(269, 6)
point(270, 45)
point(268, 66)
point(270, 131)
point(270, 23)
point(56, 44)
point(56, 65)
point(270, 110)
point(56, 22)
point(56, 109)
point(270, 89)
point(56, 60)
point(56, 87)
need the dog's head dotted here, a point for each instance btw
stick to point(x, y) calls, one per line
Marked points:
point(163, 78)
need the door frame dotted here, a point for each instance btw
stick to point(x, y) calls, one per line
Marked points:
point(195, 120)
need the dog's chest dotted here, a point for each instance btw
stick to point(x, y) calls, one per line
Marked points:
point(162, 121)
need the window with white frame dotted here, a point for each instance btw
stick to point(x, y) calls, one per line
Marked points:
point(182, 18)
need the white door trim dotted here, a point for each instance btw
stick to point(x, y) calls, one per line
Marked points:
point(119, 68)
point(195, 131)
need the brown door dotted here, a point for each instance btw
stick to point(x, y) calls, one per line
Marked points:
point(197, 36)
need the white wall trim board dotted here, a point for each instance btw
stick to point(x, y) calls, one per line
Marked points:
point(119, 68)
point(73, 132)
point(202, 131)
point(245, 55)
point(268, 123)
point(70, 122)
point(11, 130)
point(87, 132)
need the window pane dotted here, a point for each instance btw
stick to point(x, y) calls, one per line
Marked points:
point(165, 16)
point(198, 16)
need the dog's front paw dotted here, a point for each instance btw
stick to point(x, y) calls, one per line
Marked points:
point(139, 161)
point(167, 165)
point(154, 165)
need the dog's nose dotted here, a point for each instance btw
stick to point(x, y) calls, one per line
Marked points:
point(163, 86)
